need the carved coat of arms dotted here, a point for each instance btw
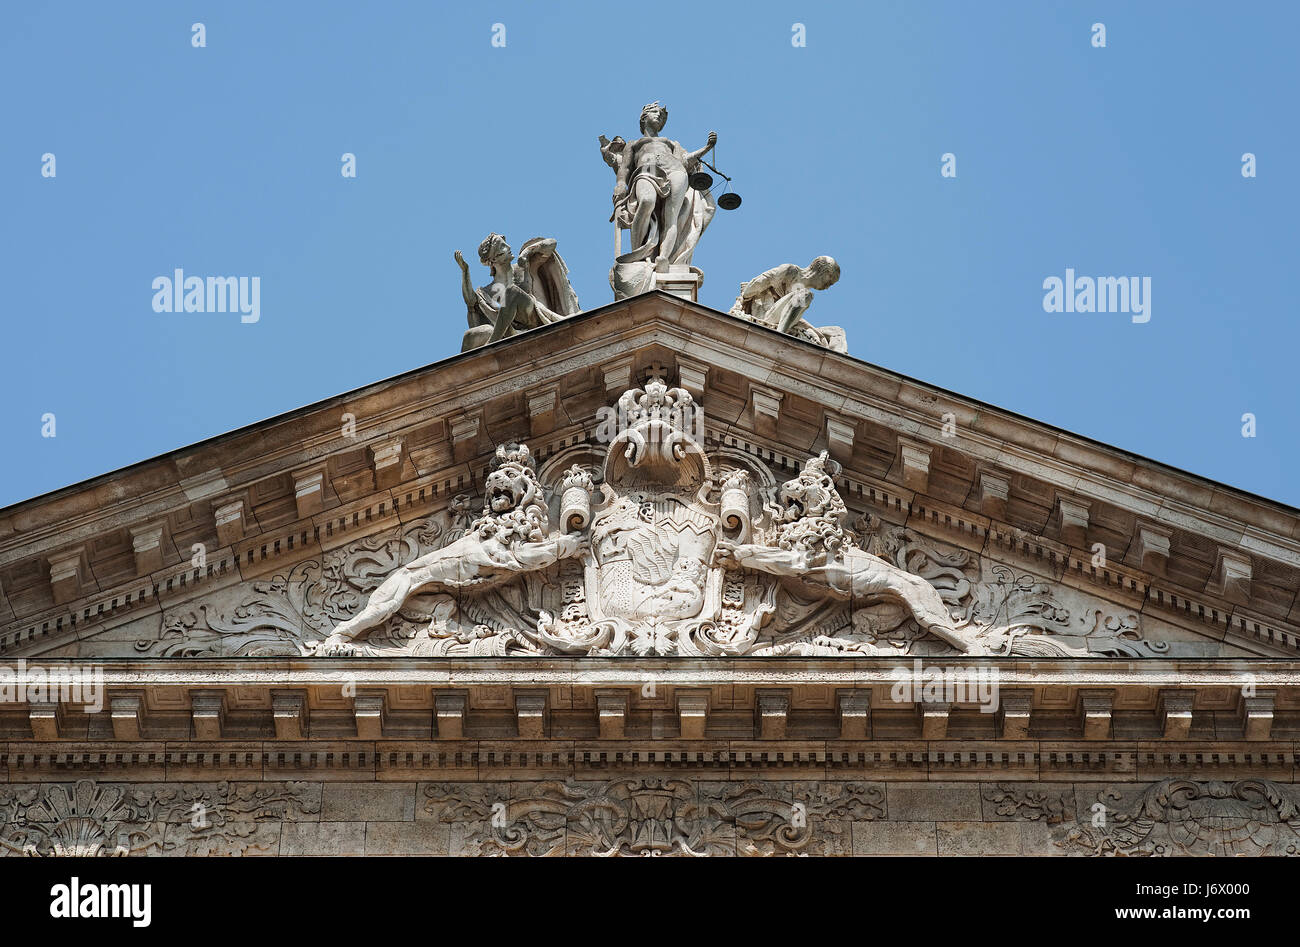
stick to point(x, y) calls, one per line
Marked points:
point(649, 543)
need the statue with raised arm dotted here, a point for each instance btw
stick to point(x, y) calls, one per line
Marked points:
point(509, 539)
point(807, 546)
point(653, 199)
point(780, 297)
point(527, 294)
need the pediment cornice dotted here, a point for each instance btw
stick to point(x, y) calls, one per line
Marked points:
point(1048, 715)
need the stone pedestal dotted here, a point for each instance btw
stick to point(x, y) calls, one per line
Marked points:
point(678, 279)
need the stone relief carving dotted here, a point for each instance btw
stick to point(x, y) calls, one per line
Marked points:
point(779, 299)
point(527, 294)
point(649, 545)
point(283, 614)
point(655, 817)
point(1186, 817)
point(510, 539)
point(645, 816)
point(1030, 803)
point(98, 820)
point(1032, 617)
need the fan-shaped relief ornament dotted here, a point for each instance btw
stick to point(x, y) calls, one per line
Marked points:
point(88, 819)
point(83, 820)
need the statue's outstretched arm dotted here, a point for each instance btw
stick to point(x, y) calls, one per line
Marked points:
point(466, 284)
point(697, 155)
point(608, 154)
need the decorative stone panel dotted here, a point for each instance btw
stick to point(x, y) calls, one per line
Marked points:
point(641, 815)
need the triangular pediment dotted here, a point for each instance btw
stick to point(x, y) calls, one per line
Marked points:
point(1030, 540)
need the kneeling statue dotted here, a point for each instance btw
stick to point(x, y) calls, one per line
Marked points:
point(779, 298)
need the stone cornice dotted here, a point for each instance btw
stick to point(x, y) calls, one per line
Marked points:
point(512, 363)
point(484, 760)
point(600, 671)
point(723, 719)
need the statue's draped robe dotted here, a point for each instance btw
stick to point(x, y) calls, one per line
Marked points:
point(697, 210)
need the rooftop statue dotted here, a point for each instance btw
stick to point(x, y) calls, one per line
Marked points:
point(522, 295)
point(665, 215)
point(653, 200)
point(780, 297)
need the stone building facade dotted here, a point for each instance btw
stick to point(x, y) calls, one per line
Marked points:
point(649, 579)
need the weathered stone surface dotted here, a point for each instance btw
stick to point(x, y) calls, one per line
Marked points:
point(368, 802)
point(894, 838)
point(407, 838)
point(978, 838)
point(323, 838)
point(935, 802)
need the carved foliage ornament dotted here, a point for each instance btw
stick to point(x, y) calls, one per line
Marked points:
point(1186, 817)
point(89, 819)
point(654, 817)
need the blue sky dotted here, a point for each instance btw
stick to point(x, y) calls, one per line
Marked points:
point(225, 160)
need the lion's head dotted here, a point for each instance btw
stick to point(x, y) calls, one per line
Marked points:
point(810, 513)
point(513, 507)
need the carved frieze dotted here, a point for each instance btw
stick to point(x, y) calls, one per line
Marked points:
point(655, 817)
point(1190, 817)
point(90, 819)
